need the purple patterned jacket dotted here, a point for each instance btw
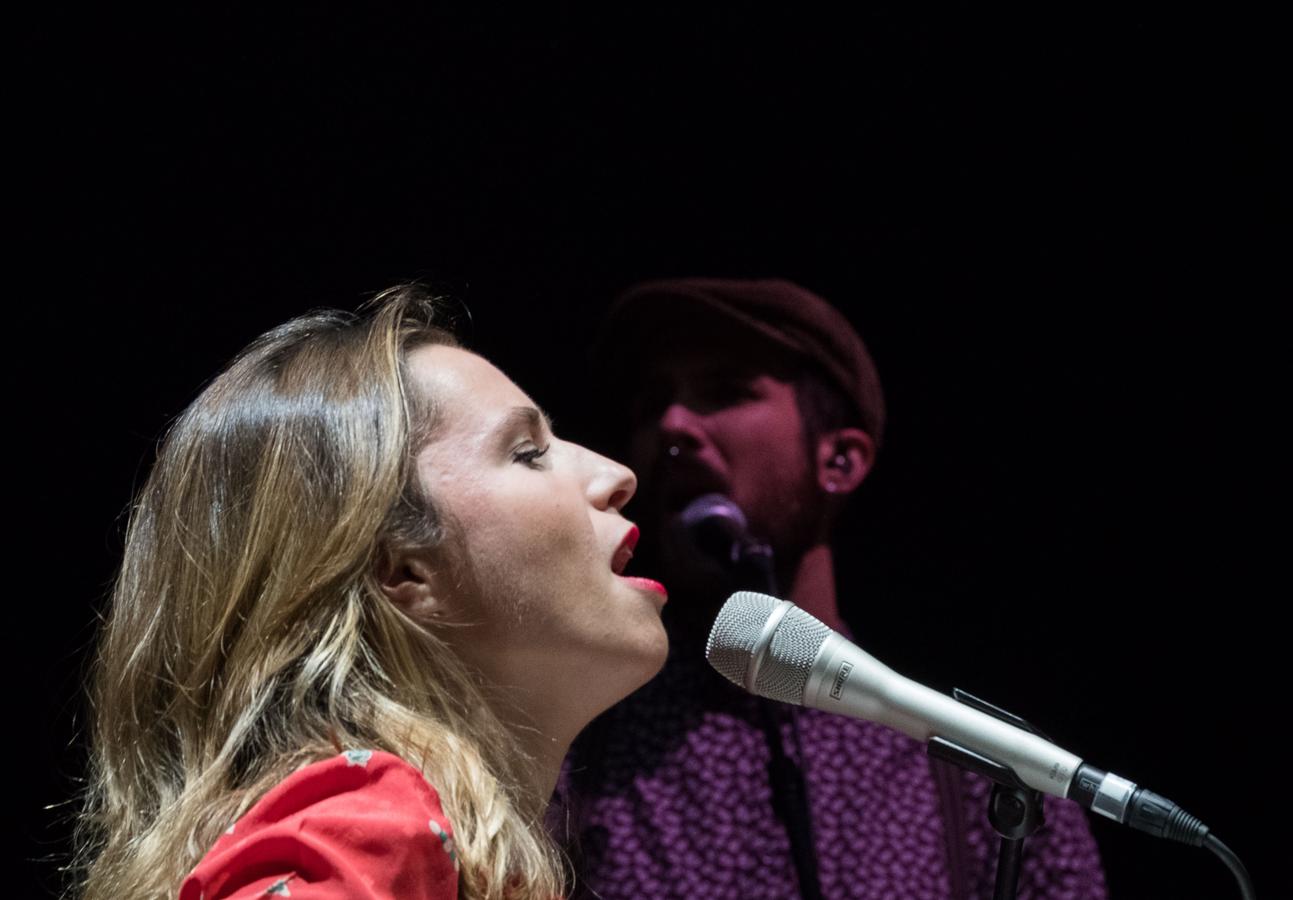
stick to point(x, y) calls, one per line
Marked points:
point(670, 795)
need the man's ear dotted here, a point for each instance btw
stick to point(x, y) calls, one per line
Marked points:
point(844, 457)
point(413, 585)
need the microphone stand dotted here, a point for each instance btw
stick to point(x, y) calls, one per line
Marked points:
point(1014, 809)
point(756, 569)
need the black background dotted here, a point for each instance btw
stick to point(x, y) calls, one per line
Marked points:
point(1052, 228)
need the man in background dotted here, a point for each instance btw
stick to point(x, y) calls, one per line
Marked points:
point(752, 412)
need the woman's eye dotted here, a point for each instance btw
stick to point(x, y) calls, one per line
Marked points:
point(531, 456)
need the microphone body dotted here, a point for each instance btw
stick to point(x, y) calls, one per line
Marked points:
point(774, 649)
point(845, 679)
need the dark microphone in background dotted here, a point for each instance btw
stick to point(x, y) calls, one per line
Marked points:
point(716, 528)
point(774, 649)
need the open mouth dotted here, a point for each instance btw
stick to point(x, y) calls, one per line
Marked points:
point(624, 552)
point(620, 561)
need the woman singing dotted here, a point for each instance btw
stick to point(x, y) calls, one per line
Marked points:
point(368, 599)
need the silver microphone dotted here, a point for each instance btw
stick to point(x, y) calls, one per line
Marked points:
point(774, 649)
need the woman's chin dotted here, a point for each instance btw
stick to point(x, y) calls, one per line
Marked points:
point(642, 659)
point(656, 651)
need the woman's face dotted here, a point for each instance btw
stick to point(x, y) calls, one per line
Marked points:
point(536, 539)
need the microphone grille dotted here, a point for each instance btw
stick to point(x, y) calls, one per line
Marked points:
point(731, 640)
point(789, 661)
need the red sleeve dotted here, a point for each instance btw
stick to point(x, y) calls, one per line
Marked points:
point(361, 825)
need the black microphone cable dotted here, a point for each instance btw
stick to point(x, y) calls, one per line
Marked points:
point(1213, 843)
point(1154, 814)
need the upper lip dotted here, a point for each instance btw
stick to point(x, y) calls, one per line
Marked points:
point(624, 552)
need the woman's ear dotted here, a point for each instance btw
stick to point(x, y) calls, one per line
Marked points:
point(844, 457)
point(412, 584)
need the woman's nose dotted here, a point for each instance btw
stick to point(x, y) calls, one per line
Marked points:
point(610, 485)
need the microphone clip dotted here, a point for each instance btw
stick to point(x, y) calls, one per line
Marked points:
point(1014, 809)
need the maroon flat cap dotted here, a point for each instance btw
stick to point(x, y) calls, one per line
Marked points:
point(786, 314)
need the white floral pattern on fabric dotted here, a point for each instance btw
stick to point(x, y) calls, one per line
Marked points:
point(358, 757)
point(446, 841)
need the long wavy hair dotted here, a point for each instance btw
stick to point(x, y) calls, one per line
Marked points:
point(247, 633)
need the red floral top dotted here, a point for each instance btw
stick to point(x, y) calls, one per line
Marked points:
point(363, 825)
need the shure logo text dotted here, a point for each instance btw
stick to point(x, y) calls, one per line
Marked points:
point(840, 677)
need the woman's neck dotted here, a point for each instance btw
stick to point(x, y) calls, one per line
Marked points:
point(546, 755)
point(540, 744)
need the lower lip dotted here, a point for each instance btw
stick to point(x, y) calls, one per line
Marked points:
point(647, 584)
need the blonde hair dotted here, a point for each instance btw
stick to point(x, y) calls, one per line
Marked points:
point(247, 633)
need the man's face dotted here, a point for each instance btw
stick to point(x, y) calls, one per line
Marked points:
point(720, 415)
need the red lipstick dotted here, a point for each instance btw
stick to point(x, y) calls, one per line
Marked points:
point(648, 584)
point(621, 559)
point(625, 551)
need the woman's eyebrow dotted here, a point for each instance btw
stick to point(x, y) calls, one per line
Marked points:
point(529, 417)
